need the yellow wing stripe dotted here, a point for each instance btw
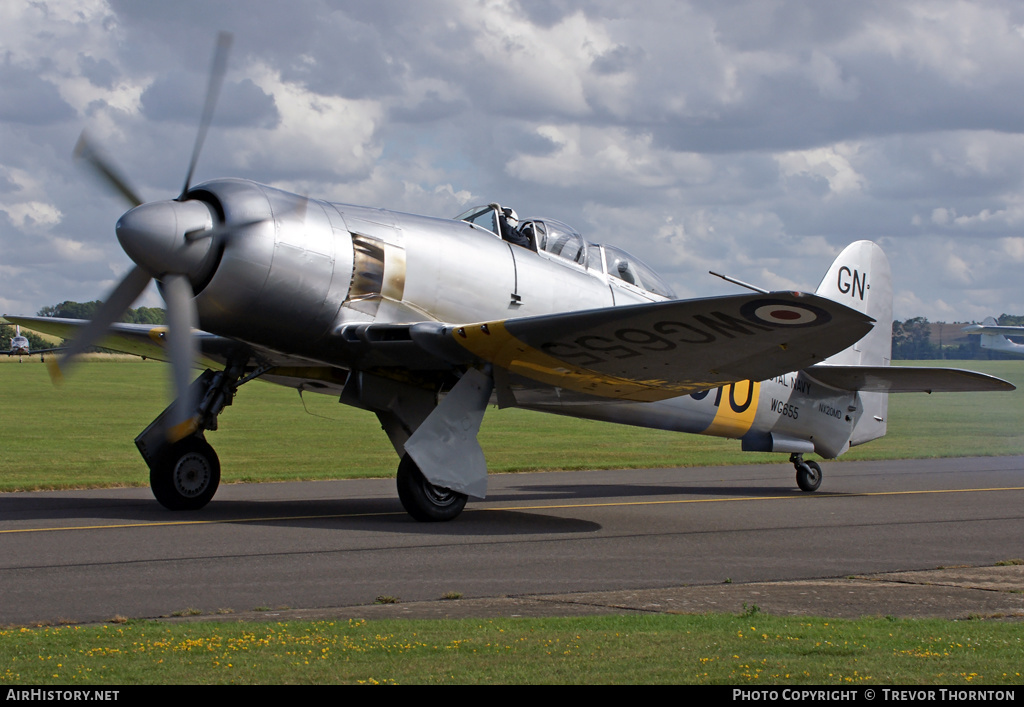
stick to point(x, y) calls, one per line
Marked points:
point(493, 342)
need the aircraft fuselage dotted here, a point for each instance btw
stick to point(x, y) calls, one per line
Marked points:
point(305, 269)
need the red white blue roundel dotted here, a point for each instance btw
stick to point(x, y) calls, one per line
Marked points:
point(785, 314)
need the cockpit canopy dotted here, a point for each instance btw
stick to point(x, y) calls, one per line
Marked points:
point(482, 216)
point(556, 238)
point(629, 269)
point(561, 240)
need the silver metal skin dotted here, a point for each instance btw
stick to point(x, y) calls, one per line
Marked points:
point(295, 267)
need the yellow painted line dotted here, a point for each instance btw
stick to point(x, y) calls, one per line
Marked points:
point(748, 498)
point(753, 498)
point(509, 508)
point(200, 522)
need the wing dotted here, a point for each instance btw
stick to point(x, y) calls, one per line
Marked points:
point(144, 340)
point(642, 352)
point(993, 329)
point(659, 350)
point(148, 341)
point(905, 379)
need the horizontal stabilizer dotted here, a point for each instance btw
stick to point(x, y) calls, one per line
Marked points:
point(994, 329)
point(906, 379)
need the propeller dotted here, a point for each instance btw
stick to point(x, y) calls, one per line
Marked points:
point(169, 241)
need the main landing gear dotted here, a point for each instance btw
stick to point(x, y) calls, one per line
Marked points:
point(808, 474)
point(184, 474)
point(424, 501)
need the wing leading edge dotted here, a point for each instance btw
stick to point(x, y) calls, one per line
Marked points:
point(145, 340)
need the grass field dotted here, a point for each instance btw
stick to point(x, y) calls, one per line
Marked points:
point(82, 434)
point(750, 649)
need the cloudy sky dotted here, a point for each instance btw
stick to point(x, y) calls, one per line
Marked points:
point(753, 138)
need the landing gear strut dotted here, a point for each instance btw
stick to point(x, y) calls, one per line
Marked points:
point(424, 501)
point(808, 474)
point(184, 474)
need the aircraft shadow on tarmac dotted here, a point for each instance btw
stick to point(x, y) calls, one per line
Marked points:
point(370, 514)
point(351, 514)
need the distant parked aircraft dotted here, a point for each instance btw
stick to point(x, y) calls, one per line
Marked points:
point(20, 347)
point(994, 336)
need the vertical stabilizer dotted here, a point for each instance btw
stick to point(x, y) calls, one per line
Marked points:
point(860, 278)
point(993, 341)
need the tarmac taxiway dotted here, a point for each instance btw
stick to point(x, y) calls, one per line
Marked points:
point(934, 537)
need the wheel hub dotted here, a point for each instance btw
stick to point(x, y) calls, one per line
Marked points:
point(438, 495)
point(191, 475)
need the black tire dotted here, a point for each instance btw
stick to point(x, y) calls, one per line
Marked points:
point(186, 475)
point(424, 501)
point(808, 476)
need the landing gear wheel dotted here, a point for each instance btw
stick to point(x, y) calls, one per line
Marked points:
point(185, 475)
point(808, 476)
point(424, 501)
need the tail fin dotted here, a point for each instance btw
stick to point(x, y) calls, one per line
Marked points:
point(860, 278)
point(992, 341)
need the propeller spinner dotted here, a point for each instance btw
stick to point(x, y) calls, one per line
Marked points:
point(170, 241)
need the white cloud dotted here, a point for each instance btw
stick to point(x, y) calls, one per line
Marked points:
point(317, 133)
point(830, 163)
point(584, 155)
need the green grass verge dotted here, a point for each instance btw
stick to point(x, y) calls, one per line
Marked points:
point(81, 434)
point(680, 649)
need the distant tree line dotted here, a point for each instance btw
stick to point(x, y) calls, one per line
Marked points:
point(86, 310)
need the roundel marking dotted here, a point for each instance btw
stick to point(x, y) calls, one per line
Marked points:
point(784, 314)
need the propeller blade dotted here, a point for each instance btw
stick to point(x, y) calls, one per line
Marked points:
point(183, 348)
point(126, 292)
point(297, 210)
point(217, 71)
point(104, 168)
point(220, 229)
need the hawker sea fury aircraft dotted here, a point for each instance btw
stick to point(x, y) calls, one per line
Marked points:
point(426, 321)
point(994, 336)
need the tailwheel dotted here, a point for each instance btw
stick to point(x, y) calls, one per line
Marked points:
point(808, 476)
point(424, 501)
point(185, 475)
